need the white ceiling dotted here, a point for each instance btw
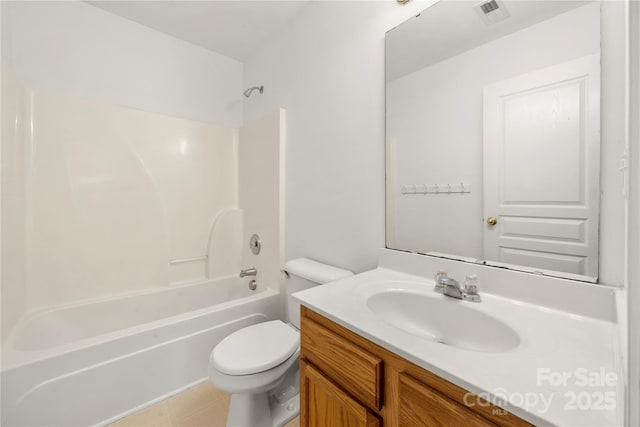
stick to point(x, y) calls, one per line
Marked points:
point(233, 28)
point(449, 28)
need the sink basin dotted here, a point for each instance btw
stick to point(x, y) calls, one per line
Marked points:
point(442, 319)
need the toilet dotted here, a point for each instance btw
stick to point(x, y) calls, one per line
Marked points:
point(258, 364)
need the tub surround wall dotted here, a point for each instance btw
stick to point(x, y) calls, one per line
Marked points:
point(261, 194)
point(13, 225)
point(224, 246)
point(121, 199)
point(103, 200)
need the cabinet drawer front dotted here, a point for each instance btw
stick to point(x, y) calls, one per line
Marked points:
point(326, 405)
point(420, 405)
point(353, 368)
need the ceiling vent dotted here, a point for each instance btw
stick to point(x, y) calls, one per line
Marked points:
point(492, 11)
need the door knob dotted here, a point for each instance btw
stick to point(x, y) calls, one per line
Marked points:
point(492, 220)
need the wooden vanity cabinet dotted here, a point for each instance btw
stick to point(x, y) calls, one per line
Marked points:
point(420, 405)
point(348, 381)
point(326, 404)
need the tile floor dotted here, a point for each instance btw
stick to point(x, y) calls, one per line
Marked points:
point(200, 406)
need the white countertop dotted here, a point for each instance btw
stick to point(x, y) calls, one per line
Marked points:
point(552, 343)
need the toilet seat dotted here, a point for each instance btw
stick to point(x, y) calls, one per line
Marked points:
point(255, 383)
point(256, 348)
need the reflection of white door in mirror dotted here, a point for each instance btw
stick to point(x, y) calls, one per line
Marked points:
point(542, 168)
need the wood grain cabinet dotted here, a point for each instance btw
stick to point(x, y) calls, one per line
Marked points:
point(326, 404)
point(348, 381)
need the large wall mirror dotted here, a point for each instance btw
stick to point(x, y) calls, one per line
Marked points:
point(499, 146)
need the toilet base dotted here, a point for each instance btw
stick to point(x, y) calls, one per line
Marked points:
point(272, 408)
point(284, 412)
point(259, 410)
point(249, 410)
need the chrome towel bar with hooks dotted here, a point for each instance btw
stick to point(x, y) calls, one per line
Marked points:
point(459, 187)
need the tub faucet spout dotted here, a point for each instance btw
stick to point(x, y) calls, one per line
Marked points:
point(248, 272)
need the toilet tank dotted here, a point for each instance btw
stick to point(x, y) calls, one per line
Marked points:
point(304, 274)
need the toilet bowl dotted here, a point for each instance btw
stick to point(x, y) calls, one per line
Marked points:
point(258, 364)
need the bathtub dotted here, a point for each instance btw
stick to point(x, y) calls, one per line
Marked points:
point(92, 363)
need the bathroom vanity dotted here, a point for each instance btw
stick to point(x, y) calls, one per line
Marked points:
point(498, 131)
point(384, 348)
point(348, 380)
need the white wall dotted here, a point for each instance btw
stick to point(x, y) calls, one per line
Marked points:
point(74, 48)
point(326, 69)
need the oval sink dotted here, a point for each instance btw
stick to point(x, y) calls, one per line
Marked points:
point(447, 321)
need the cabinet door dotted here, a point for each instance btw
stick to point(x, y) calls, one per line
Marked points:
point(422, 406)
point(349, 366)
point(324, 404)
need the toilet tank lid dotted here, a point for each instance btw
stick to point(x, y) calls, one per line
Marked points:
point(315, 271)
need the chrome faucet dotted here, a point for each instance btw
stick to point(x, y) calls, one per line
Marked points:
point(451, 287)
point(248, 272)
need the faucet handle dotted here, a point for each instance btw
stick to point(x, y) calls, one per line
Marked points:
point(439, 286)
point(471, 284)
point(440, 275)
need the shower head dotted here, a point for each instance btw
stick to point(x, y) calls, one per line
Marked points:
point(248, 92)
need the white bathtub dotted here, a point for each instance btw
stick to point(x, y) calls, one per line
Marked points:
point(93, 363)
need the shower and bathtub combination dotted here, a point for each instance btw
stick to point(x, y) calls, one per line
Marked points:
point(92, 363)
point(90, 353)
point(125, 228)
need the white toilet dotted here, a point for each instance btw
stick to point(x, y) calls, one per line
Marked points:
point(258, 364)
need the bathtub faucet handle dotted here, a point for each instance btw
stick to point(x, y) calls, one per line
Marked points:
point(248, 272)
